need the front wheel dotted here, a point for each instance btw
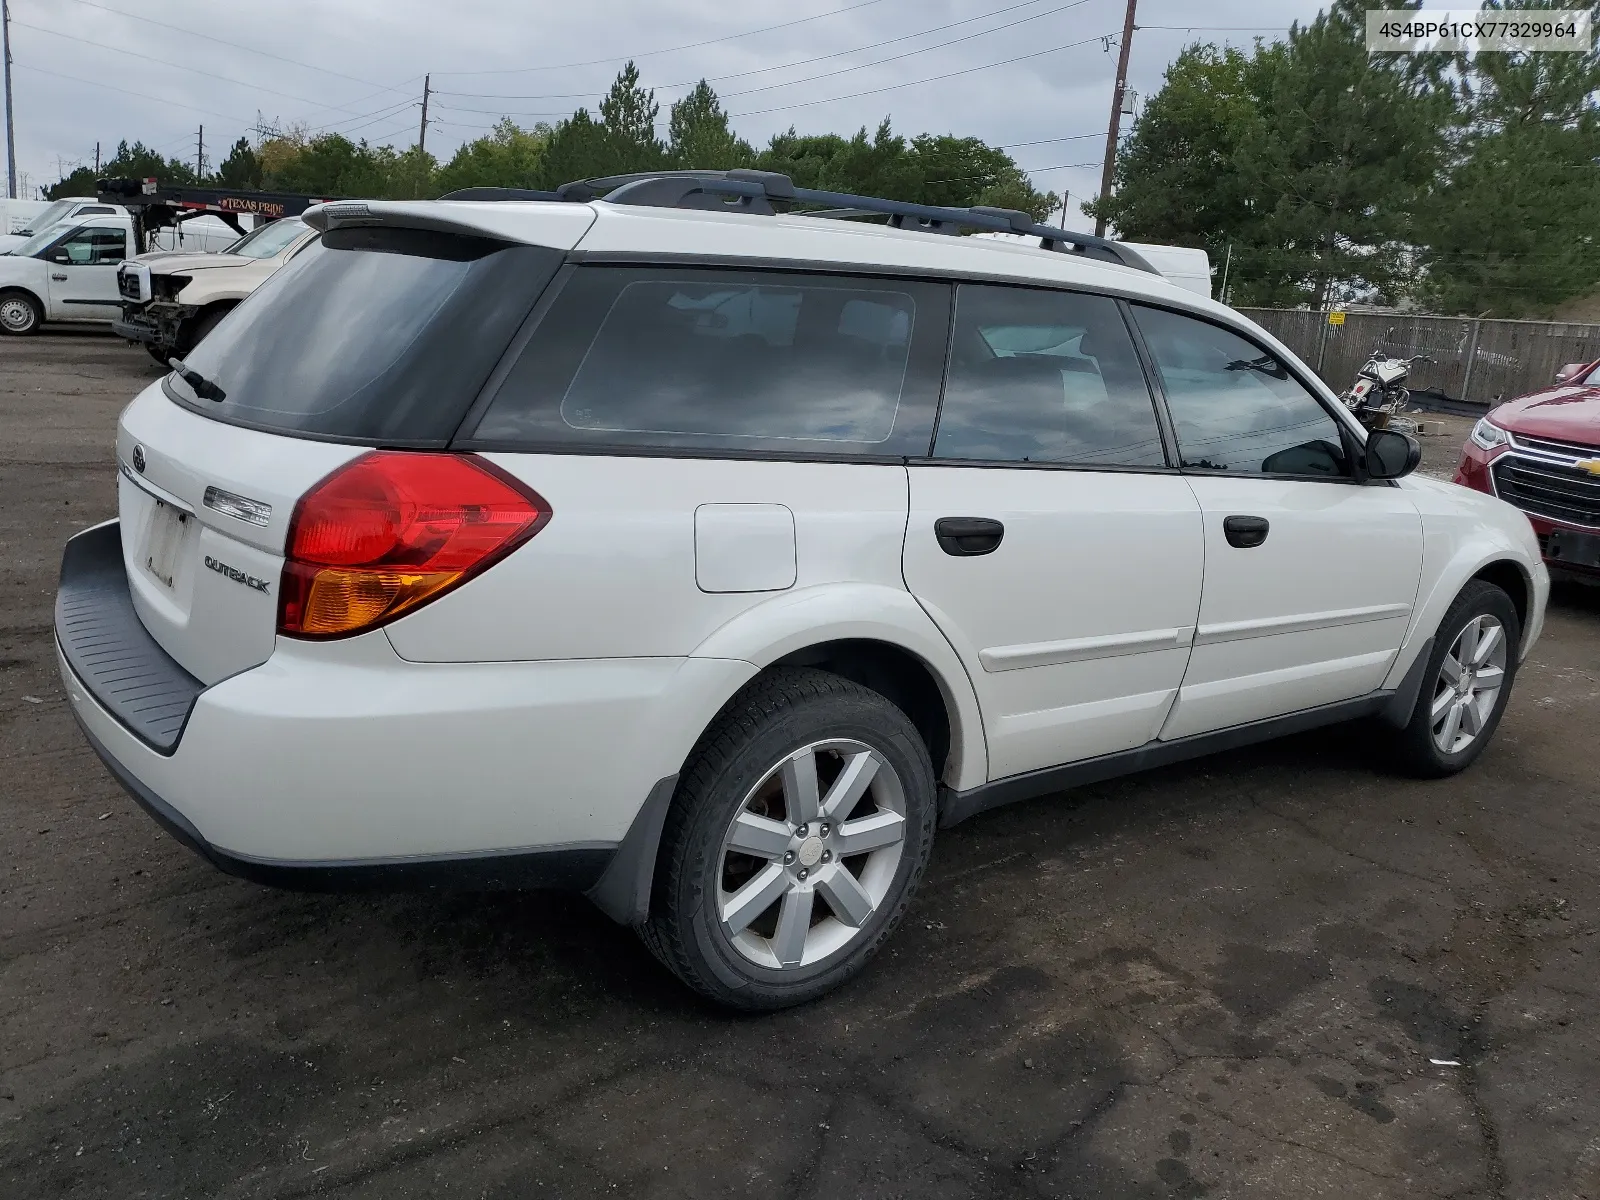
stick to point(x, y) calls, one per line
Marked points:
point(19, 314)
point(1466, 684)
point(801, 827)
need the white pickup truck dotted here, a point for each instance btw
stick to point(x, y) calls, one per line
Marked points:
point(198, 234)
point(66, 272)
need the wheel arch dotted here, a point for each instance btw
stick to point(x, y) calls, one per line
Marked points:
point(881, 638)
point(38, 301)
point(1494, 563)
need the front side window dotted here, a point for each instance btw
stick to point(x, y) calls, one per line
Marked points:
point(92, 248)
point(701, 359)
point(1045, 377)
point(1234, 406)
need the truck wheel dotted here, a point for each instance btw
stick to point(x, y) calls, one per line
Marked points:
point(19, 313)
point(204, 324)
point(802, 824)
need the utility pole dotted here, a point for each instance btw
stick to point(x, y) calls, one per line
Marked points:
point(200, 155)
point(1116, 116)
point(422, 133)
point(97, 160)
point(11, 127)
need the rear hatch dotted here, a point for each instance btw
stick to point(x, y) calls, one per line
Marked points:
point(381, 336)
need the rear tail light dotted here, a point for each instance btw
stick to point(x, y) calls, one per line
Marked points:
point(390, 531)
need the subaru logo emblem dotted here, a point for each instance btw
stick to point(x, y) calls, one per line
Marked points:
point(138, 459)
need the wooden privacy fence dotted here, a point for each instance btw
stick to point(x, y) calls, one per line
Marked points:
point(1479, 361)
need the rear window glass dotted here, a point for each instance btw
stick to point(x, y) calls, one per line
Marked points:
point(382, 335)
point(664, 358)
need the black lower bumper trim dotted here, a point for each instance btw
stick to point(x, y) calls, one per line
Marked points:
point(133, 332)
point(575, 868)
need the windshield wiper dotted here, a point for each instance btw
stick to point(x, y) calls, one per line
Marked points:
point(203, 387)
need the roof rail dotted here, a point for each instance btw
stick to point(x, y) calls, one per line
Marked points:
point(754, 192)
point(498, 193)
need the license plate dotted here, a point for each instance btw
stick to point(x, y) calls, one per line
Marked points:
point(1577, 549)
point(163, 541)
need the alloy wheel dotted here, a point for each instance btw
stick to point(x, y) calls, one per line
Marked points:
point(811, 854)
point(1468, 686)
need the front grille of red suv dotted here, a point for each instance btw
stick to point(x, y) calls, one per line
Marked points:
point(1555, 491)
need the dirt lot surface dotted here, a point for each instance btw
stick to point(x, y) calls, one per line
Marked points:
point(1274, 973)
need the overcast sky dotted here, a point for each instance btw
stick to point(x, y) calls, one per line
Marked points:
point(1010, 73)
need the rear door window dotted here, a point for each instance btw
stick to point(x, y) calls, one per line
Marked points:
point(1045, 377)
point(727, 360)
point(376, 334)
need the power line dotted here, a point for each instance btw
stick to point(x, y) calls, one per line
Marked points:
point(72, 37)
point(909, 53)
point(930, 79)
point(595, 62)
point(235, 45)
point(768, 70)
point(140, 95)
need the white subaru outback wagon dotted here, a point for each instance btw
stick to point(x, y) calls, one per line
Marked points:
point(706, 556)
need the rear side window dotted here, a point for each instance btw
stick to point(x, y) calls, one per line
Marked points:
point(727, 360)
point(1045, 377)
point(377, 334)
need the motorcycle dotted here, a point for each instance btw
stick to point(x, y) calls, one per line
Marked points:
point(1379, 392)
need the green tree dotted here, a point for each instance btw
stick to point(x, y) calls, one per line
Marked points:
point(965, 171)
point(629, 113)
point(509, 156)
point(577, 149)
point(130, 161)
point(241, 169)
point(699, 135)
point(1512, 230)
point(1178, 178)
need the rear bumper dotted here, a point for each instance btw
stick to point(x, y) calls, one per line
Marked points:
point(338, 764)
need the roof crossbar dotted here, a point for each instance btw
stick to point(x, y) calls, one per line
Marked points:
point(754, 192)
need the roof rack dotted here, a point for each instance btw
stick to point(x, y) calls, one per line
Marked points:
point(755, 191)
point(500, 193)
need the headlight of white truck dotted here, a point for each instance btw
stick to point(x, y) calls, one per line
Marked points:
point(133, 282)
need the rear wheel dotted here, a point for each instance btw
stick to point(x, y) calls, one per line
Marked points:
point(1466, 684)
point(19, 314)
point(801, 827)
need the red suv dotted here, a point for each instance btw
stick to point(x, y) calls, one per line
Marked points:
point(1541, 452)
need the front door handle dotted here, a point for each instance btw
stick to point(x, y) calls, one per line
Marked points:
point(1245, 532)
point(968, 536)
point(59, 278)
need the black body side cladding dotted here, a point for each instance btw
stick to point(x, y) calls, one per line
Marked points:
point(958, 806)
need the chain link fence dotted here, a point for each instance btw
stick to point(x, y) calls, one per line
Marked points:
point(1479, 362)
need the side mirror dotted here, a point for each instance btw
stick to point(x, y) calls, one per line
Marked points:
point(1568, 371)
point(61, 256)
point(1390, 455)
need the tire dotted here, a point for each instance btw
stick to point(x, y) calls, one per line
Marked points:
point(751, 766)
point(192, 335)
point(1421, 747)
point(20, 314)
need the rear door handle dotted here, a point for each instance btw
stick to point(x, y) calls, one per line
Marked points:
point(965, 537)
point(1245, 532)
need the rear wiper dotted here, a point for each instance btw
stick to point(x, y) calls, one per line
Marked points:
point(203, 387)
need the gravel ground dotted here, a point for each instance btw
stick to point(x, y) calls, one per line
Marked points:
point(1273, 973)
